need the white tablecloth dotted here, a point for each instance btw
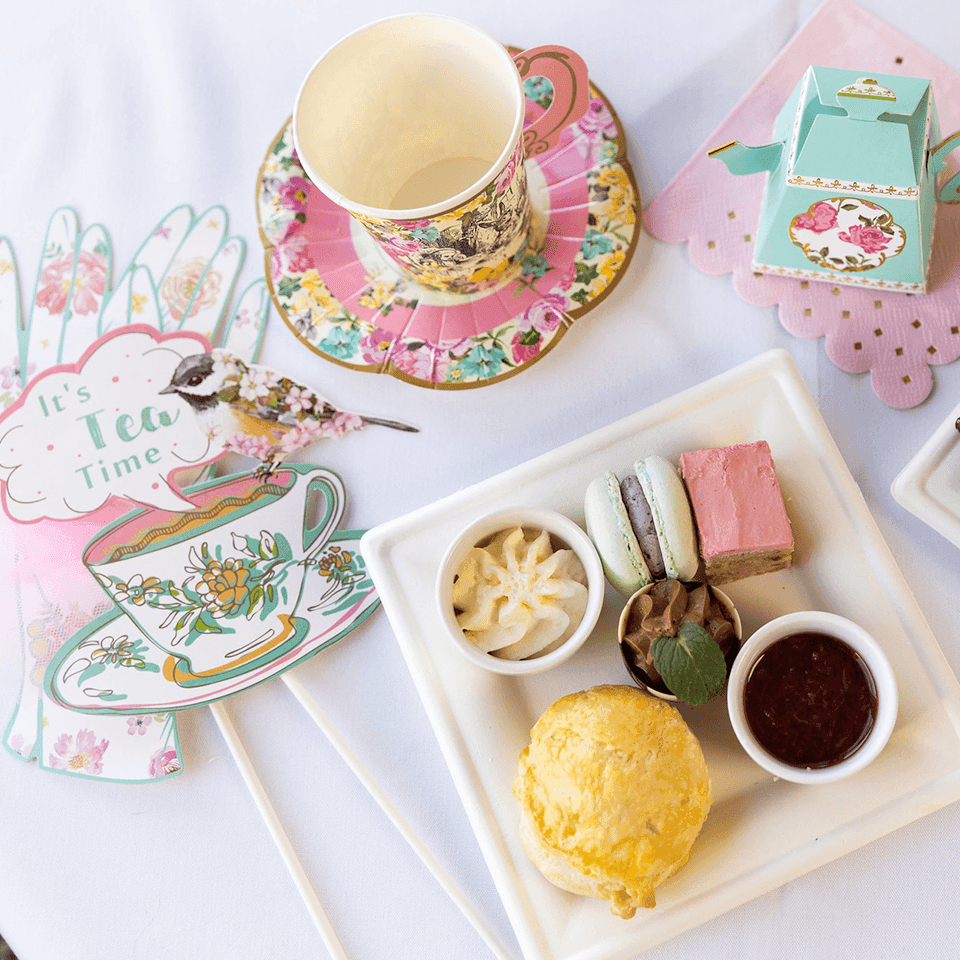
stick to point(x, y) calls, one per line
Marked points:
point(126, 110)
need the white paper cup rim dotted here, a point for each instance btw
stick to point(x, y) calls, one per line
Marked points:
point(443, 206)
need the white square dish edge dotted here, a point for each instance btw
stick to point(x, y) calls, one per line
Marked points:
point(929, 485)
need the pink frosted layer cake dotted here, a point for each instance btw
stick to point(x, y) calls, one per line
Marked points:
point(743, 524)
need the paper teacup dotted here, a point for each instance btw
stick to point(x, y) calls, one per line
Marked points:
point(218, 587)
point(415, 126)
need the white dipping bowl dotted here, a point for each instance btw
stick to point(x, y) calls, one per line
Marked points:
point(850, 633)
point(563, 532)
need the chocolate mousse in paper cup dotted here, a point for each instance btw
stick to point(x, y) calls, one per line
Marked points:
point(660, 609)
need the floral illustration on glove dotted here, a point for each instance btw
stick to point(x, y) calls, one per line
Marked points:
point(80, 754)
point(189, 287)
point(85, 276)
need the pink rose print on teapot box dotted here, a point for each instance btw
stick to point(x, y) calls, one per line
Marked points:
point(847, 234)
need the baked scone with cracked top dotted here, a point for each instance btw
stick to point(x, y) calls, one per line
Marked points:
point(613, 790)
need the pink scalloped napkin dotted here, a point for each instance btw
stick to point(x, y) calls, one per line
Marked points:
point(894, 336)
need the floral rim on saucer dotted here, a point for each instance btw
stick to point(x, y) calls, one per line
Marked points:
point(346, 301)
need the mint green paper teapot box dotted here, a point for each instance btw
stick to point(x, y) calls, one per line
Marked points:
point(852, 188)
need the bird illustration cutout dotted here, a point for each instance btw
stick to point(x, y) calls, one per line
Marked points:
point(138, 408)
point(252, 410)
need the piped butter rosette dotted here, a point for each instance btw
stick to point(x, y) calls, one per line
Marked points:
point(517, 596)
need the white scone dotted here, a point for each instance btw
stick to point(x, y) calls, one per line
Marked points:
point(613, 791)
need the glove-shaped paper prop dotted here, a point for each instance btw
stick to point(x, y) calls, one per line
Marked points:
point(59, 490)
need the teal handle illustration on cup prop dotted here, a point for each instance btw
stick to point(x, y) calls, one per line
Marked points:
point(316, 535)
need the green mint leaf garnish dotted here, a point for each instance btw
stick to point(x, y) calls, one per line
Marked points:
point(691, 664)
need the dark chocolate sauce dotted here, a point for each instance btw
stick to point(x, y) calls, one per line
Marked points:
point(810, 700)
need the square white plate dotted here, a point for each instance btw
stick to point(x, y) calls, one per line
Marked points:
point(929, 485)
point(761, 832)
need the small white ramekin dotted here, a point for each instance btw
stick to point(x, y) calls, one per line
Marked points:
point(563, 531)
point(814, 621)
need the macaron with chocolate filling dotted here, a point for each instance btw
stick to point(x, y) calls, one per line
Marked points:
point(672, 516)
point(643, 524)
point(642, 528)
point(610, 529)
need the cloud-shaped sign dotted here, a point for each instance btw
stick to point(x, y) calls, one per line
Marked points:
point(82, 433)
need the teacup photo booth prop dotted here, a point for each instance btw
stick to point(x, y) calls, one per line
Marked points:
point(219, 588)
point(415, 126)
point(851, 192)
